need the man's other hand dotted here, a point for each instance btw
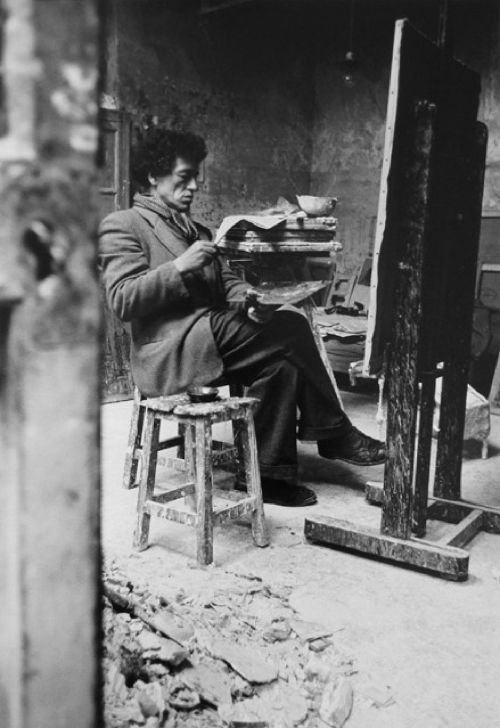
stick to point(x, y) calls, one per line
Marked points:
point(196, 256)
point(256, 310)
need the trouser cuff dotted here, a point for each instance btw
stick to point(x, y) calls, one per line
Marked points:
point(279, 472)
point(313, 434)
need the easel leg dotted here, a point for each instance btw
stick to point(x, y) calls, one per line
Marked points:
point(422, 470)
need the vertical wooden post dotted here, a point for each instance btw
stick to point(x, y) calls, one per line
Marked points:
point(247, 455)
point(402, 371)
point(148, 476)
point(49, 379)
point(133, 452)
point(460, 307)
point(423, 460)
point(204, 484)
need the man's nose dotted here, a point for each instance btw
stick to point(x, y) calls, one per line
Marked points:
point(193, 184)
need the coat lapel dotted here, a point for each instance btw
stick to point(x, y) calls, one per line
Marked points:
point(166, 234)
point(173, 241)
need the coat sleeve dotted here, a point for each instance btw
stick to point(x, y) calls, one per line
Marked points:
point(233, 285)
point(133, 289)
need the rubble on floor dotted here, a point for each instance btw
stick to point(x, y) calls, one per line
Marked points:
point(235, 656)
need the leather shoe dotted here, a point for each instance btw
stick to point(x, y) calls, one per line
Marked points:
point(281, 493)
point(354, 447)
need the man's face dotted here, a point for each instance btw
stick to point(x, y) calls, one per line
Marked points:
point(177, 188)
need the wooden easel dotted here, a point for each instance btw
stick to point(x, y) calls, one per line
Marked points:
point(425, 260)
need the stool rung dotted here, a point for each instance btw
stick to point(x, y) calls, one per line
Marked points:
point(175, 441)
point(228, 513)
point(175, 494)
point(162, 510)
point(222, 453)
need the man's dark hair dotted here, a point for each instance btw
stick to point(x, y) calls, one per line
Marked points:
point(157, 151)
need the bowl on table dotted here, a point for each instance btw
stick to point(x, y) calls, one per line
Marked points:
point(199, 394)
point(317, 206)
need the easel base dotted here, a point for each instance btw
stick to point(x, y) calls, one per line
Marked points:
point(439, 559)
point(461, 512)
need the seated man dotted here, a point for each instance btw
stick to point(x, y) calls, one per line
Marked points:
point(164, 276)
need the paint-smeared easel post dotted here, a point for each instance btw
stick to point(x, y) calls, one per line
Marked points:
point(431, 208)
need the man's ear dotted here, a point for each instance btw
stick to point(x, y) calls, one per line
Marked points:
point(152, 180)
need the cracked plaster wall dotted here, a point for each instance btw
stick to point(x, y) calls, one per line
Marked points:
point(243, 87)
point(267, 92)
point(349, 123)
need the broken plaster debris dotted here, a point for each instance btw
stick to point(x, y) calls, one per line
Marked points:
point(224, 657)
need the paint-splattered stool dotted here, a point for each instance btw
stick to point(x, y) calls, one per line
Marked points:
point(195, 422)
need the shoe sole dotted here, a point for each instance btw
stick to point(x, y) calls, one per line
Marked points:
point(309, 502)
point(356, 462)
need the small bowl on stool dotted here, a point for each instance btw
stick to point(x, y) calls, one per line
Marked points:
point(198, 394)
point(317, 206)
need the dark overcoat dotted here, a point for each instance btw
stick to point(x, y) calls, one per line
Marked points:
point(172, 345)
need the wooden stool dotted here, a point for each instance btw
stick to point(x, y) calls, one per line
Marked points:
point(196, 421)
point(222, 452)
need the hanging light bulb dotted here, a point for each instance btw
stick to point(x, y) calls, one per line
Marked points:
point(350, 60)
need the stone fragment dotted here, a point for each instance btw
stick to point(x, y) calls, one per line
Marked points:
point(148, 641)
point(130, 712)
point(277, 631)
point(283, 703)
point(171, 653)
point(240, 688)
point(245, 660)
point(182, 698)
point(317, 668)
point(136, 625)
point(245, 714)
point(309, 631)
point(379, 696)
point(116, 682)
point(155, 670)
point(172, 626)
point(319, 645)
point(213, 685)
point(336, 702)
point(151, 700)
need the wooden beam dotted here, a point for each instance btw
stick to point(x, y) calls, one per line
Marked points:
point(449, 562)
point(464, 531)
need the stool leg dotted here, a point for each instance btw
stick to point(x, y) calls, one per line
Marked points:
point(204, 520)
point(134, 443)
point(147, 482)
point(181, 431)
point(189, 458)
point(247, 455)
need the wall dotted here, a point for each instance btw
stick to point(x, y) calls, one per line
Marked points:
point(240, 79)
point(349, 121)
point(264, 84)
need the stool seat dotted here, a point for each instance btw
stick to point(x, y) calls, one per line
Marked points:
point(195, 421)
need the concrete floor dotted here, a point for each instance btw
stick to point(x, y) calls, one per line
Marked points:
point(432, 644)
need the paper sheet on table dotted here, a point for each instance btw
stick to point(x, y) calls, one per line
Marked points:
point(265, 222)
point(340, 326)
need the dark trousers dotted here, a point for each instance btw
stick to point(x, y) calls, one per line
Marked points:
point(280, 364)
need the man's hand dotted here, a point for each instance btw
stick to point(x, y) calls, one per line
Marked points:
point(196, 256)
point(256, 310)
